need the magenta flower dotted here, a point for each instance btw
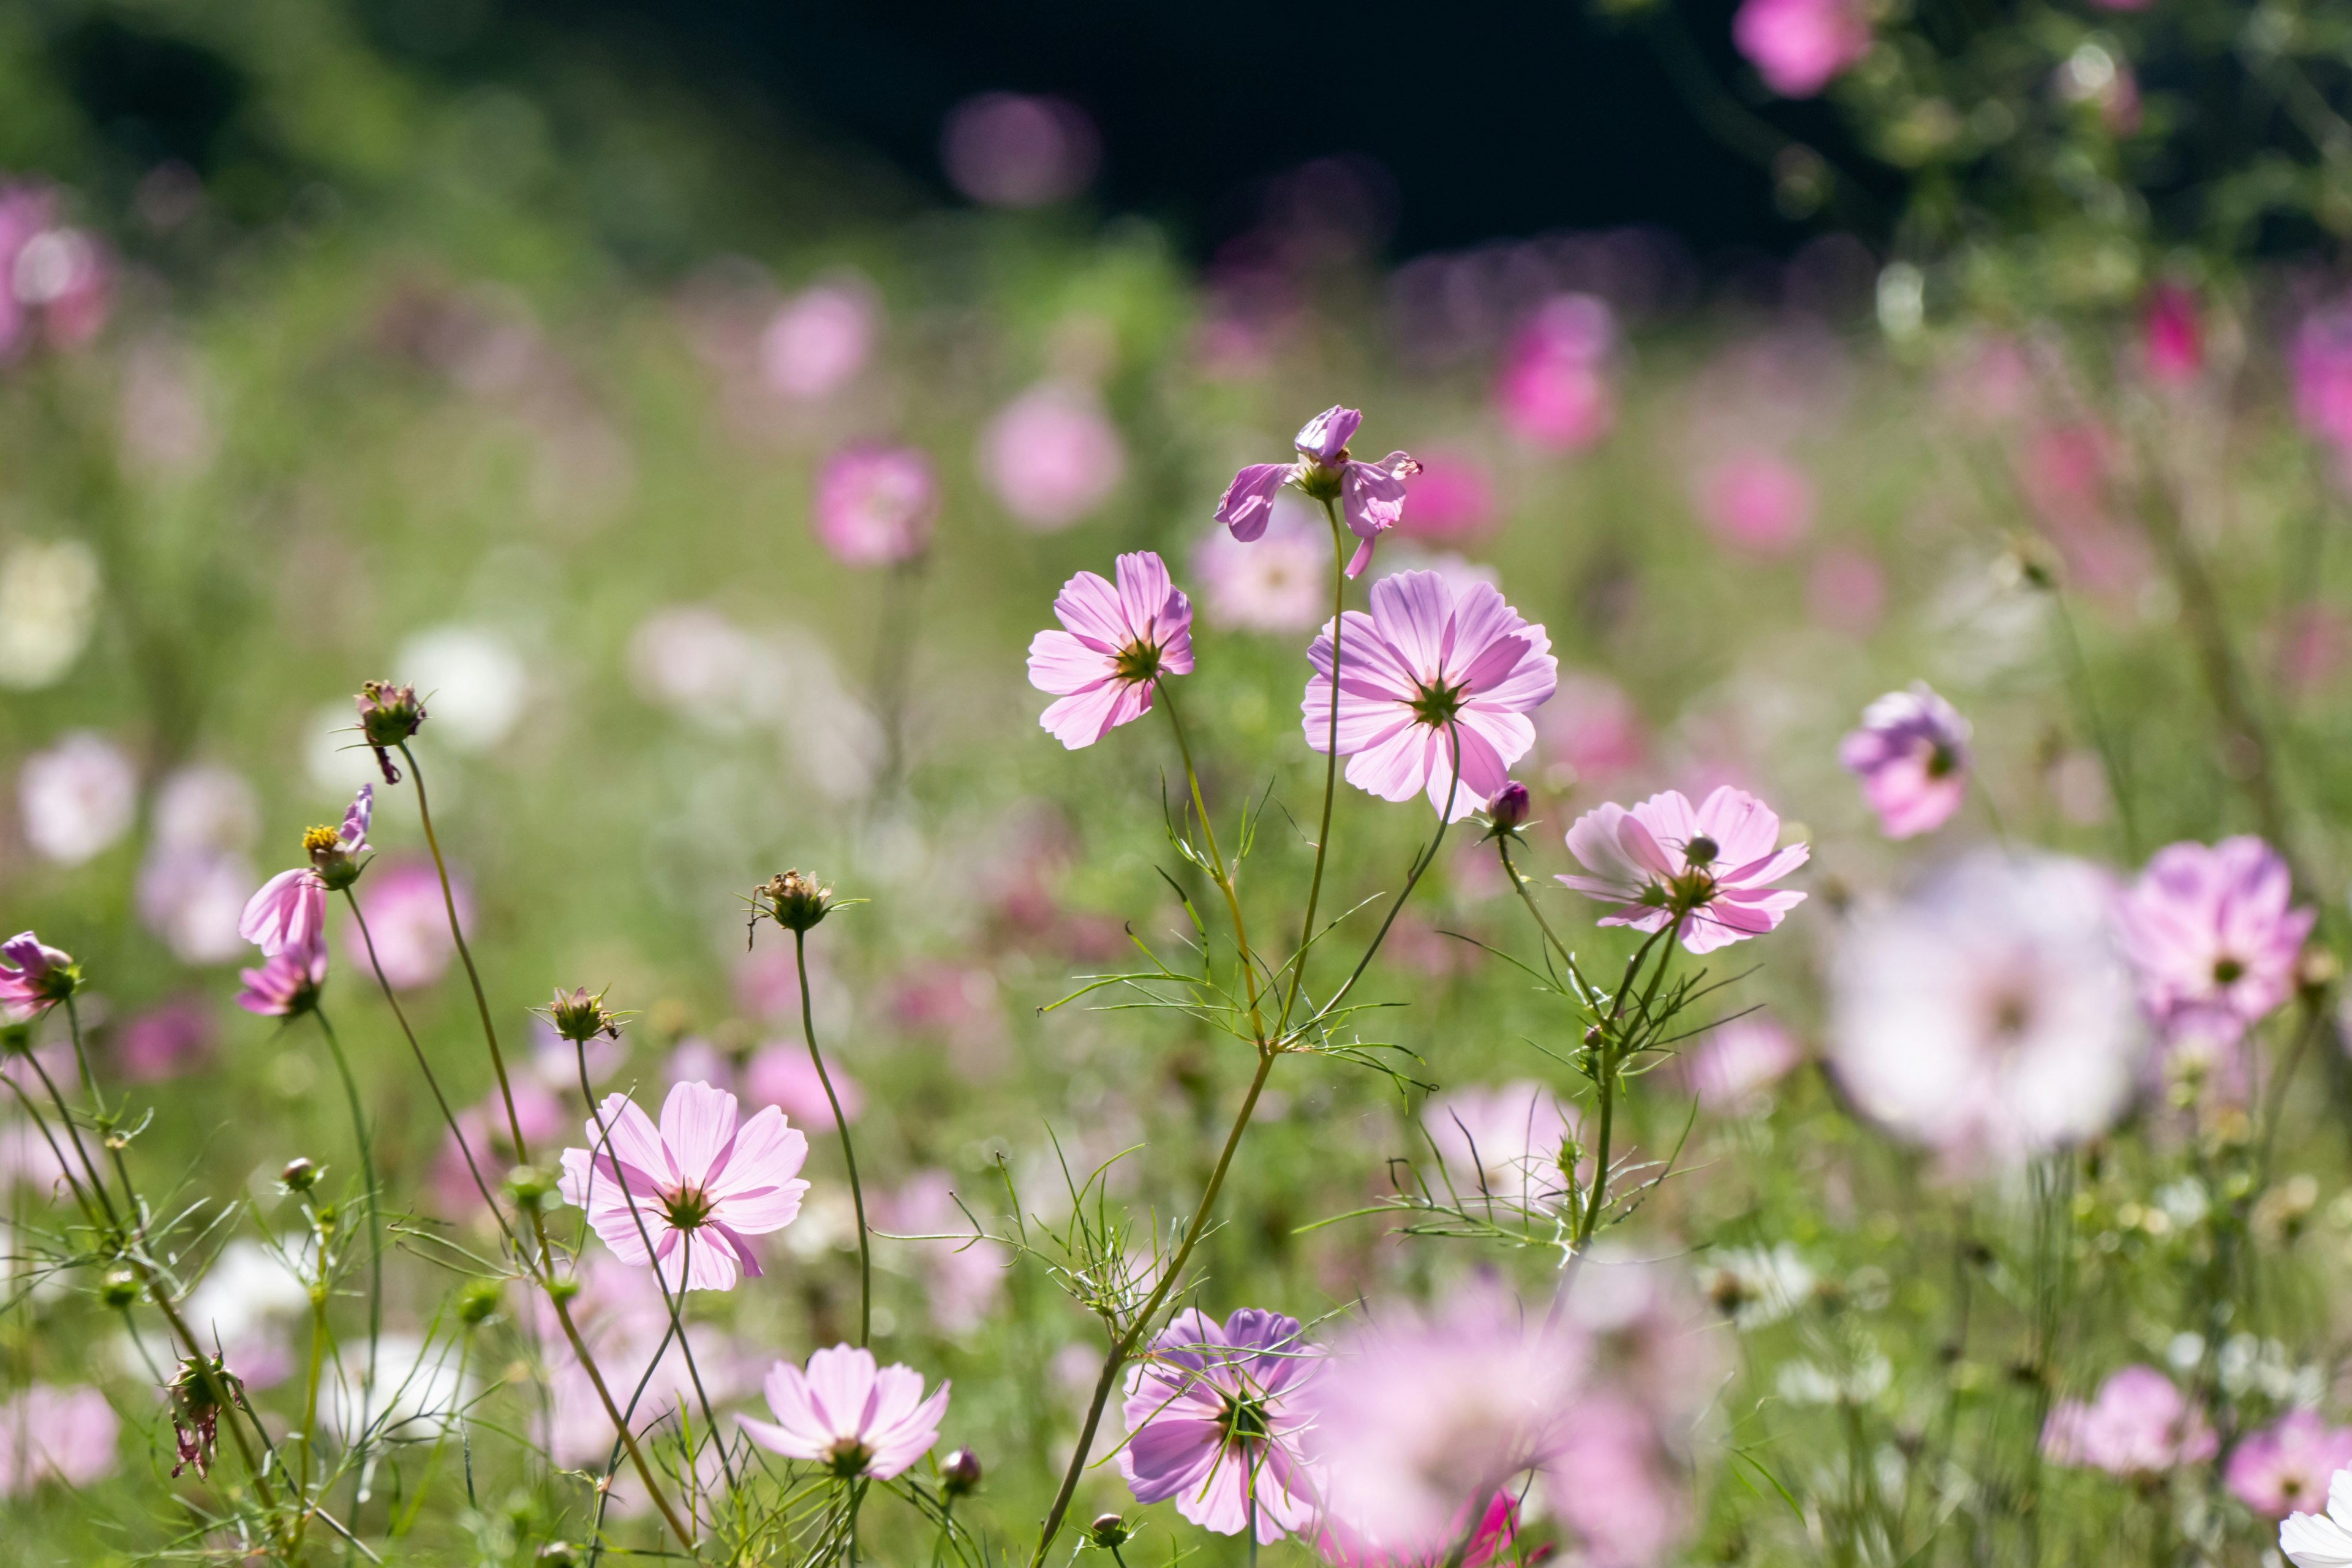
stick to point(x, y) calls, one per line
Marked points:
point(1709, 872)
point(1757, 501)
point(1912, 756)
point(409, 921)
point(33, 977)
point(49, 1434)
point(2212, 936)
point(2321, 364)
point(2138, 1426)
point(1117, 644)
point(696, 1188)
point(2172, 338)
point(1371, 495)
point(1213, 1423)
point(1736, 1060)
point(287, 982)
point(2285, 1466)
point(1434, 691)
point(1554, 389)
point(1798, 46)
point(855, 1419)
point(874, 505)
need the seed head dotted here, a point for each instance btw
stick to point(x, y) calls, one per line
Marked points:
point(119, 1288)
point(793, 902)
point(580, 1017)
point(389, 714)
point(477, 1301)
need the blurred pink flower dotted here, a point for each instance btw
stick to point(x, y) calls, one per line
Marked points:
point(1433, 685)
point(487, 1133)
point(1799, 45)
point(79, 796)
point(1609, 1483)
point(53, 280)
point(1736, 1059)
point(1274, 585)
point(2138, 1426)
point(962, 1277)
point(1707, 871)
point(1052, 456)
point(165, 1041)
point(1461, 572)
point(695, 1060)
point(2288, 1464)
point(49, 1434)
point(1912, 756)
point(2321, 363)
point(1757, 501)
point(783, 1076)
point(406, 915)
point(555, 1061)
point(846, 1415)
point(620, 1313)
point(2314, 646)
point(1371, 496)
point(1213, 1422)
point(1004, 150)
point(34, 977)
point(2172, 338)
point(285, 982)
point(699, 1177)
point(875, 504)
point(1451, 497)
point(1495, 1539)
point(1117, 645)
point(1593, 728)
point(1846, 591)
point(2067, 470)
point(195, 899)
point(818, 339)
point(2213, 935)
point(1554, 391)
point(27, 1159)
point(1504, 1141)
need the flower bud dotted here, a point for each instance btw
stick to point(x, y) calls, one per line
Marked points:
point(298, 1176)
point(580, 1017)
point(1110, 1529)
point(793, 902)
point(960, 1473)
point(1508, 809)
point(562, 1289)
point(119, 1288)
point(559, 1554)
point(477, 1300)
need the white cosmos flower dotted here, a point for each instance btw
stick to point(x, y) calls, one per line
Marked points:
point(2322, 1540)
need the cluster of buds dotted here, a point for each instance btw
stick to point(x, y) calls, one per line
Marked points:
point(793, 902)
point(196, 1390)
point(389, 714)
point(580, 1017)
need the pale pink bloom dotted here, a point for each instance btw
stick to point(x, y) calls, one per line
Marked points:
point(487, 1133)
point(2172, 338)
point(205, 807)
point(1651, 1335)
point(409, 921)
point(845, 1413)
point(695, 1060)
point(286, 980)
point(2322, 1540)
point(2287, 1463)
point(1052, 456)
point(33, 976)
point(818, 340)
point(698, 1187)
point(1213, 1422)
point(1494, 1538)
point(962, 1275)
point(1411, 1419)
point(2138, 1426)
point(1554, 389)
point(875, 504)
point(1799, 45)
point(555, 1061)
point(1611, 1483)
point(783, 1076)
point(1735, 1061)
point(1274, 584)
point(1461, 572)
point(1007, 150)
point(1116, 646)
point(2213, 935)
point(195, 899)
point(1371, 496)
point(1434, 692)
point(1452, 497)
point(1912, 756)
point(2067, 471)
point(1503, 1142)
point(1591, 728)
point(165, 1041)
point(49, 1434)
point(1846, 591)
point(1757, 501)
point(2321, 363)
point(1709, 871)
point(1989, 1015)
point(78, 798)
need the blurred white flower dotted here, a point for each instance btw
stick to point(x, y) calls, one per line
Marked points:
point(1757, 1285)
point(48, 602)
point(1808, 1382)
point(205, 807)
point(473, 682)
point(78, 797)
point(335, 758)
point(419, 1387)
point(194, 898)
point(696, 662)
point(1504, 1141)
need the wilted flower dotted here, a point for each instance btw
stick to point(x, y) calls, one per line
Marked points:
point(1554, 389)
point(1213, 1422)
point(874, 505)
point(389, 715)
point(287, 982)
point(197, 1387)
point(78, 798)
point(1116, 646)
point(859, 1421)
point(34, 977)
point(1052, 456)
point(1273, 585)
point(1371, 495)
point(1756, 501)
point(695, 1188)
point(2138, 1426)
point(1707, 872)
point(1798, 46)
point(1912, 756)
point(1434, 691)
point(49, 1434)
point(1509, 1143)
point(2212, 934)
point(818, 339)
point(2287, 1463)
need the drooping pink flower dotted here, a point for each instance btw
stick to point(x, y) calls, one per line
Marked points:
point(2321, 363)
point(1371, 495)
point(2138, 1426)
point(1274, 584)
point(2172, 337)
point(844, 1412)
point(875, 504)
point(1912, 756)
point(2213, 935)
point(1798, 47)
point(696, 1188)
point(285, 982)
point(33, 977)
point(409, 921)
point(1505, 1142)
point(49, 1434)
point(1709, 871)
point(818, 339)
point(2286, 1465)
point(1052, 456)
point(165, 1041)
point(1735, 1060)
point(1554, 389)
point(1117, 645)
point(1434, 692)
point(783, 1076)
point(288, 911)
point(1452, 497)
point(1757, 501)
point(1214, 1417)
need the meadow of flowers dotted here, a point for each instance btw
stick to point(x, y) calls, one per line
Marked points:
point(910, 883)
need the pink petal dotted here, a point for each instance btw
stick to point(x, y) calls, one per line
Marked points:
point(1061, 664)
point(1248, 502)
point(1089, 607)
point(1084, 717)
point(697, 1123)
point(840, 1382)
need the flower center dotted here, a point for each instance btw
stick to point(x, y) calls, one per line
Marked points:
point(2228, 971)
point(317, 841)
point(1942, 761)
point(1435, 706)
point(2012, 1013)
point(848, 1457)
point(1320, 480)
point(686, 1208)
point(1139, 661)
point(1244, 1418)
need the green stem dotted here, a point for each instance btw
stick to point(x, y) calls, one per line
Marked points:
point(1217, 862)
point(375, 1234)
point(1330, 763)
point(848, 1151)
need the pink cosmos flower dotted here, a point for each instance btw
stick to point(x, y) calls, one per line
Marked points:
point(1554, 389)
point(1434, 691)
point(847, 1415)
point(2274, 1470)
point(1371, 495)
point(1757, 501)
point(696, 1188)
point(818, 339)
point(1505, 1142)
point(1709, 871)
point(1010, 149)
point(1051, 455)
point(620, 1313)
point(165, 1041)
point(1735, 1061)
point(1213, 1422)
point(33, 977)
point(285, 982)
point(2138, 1426)
point(2211, 933)
point(290, 910)
point(2321, 363)
point(1116, 646)
point(2172, 338)
point(1912, 756)
point(1798, 46)
point(52, 278)
point(875, 504)
point(1274, 585)
point(49, 1434)
point(1494, 1538)
point(1611, 1485)
point(409, 921)
point(486, 1132)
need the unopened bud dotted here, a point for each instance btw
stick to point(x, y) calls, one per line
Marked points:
point(1593, 1037)
point(119, 1288)
point(1110, 1529)
point(477, 1300)
point(298, 1176)
point(559, 1554)
point(959, 1472)
point(563, 1289)
point(1509, 806)
point(1701, 850)
point(530, 1185)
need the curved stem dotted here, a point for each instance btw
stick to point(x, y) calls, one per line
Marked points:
point(848, 1152)
point(1520, 886)
point(1217, 861)
point(375, 1230)
point(1330, 763)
